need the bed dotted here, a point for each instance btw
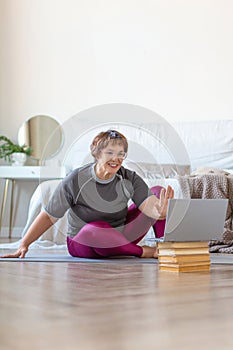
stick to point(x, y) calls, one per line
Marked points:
point(195, 158)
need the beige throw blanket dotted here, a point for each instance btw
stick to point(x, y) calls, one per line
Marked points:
point(213, 186)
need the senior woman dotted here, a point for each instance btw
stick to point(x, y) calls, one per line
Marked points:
point(100, 222)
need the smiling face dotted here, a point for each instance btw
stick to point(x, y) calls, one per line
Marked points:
point(109, 160)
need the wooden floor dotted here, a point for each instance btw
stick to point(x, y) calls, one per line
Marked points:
point(105, 306)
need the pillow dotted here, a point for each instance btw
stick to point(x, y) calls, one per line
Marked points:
point(158, 171)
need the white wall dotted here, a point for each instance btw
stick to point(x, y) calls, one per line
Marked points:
point(59, 57)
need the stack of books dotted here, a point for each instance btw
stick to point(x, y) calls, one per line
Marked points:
point(184, 256)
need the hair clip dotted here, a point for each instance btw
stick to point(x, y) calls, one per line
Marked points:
point(113, 134)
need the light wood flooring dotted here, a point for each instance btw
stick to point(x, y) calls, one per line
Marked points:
point(106, 306)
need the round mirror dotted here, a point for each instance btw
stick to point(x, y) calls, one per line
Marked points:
point(37, 132)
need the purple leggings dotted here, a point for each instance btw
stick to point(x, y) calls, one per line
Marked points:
point(100, 240)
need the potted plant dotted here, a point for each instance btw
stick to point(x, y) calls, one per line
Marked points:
point(9, 151)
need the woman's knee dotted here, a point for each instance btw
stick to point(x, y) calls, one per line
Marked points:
point(77, 249)
point(156, 190)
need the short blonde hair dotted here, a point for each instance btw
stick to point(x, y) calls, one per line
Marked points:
point(102, 140)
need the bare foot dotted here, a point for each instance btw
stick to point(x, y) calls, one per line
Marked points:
point(149, 252)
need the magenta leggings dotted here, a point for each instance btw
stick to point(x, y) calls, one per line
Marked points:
point(100, 240)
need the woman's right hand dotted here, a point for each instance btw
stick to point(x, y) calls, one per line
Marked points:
point(41, 223)
point(20, 253)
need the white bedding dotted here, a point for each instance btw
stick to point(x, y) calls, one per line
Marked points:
point(208, 143)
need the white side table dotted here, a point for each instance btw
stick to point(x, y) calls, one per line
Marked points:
point(10, 174)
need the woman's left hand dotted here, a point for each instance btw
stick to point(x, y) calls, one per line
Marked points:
point(156, 208)
point(165, 195)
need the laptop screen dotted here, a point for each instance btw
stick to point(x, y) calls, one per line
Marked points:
point(194, 220)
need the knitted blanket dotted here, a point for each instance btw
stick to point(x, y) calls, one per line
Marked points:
point(213, 186)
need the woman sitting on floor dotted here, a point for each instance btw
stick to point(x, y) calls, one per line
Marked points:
point(100, 223)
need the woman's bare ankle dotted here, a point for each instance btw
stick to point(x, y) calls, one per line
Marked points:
point(156, 253)
point(149, 252)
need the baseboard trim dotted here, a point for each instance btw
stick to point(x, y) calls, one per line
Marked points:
point(16, 232)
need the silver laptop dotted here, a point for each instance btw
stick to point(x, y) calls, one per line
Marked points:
point(194, 220)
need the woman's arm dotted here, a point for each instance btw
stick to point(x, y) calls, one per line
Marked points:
point(41, 224)
point(156, 208)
